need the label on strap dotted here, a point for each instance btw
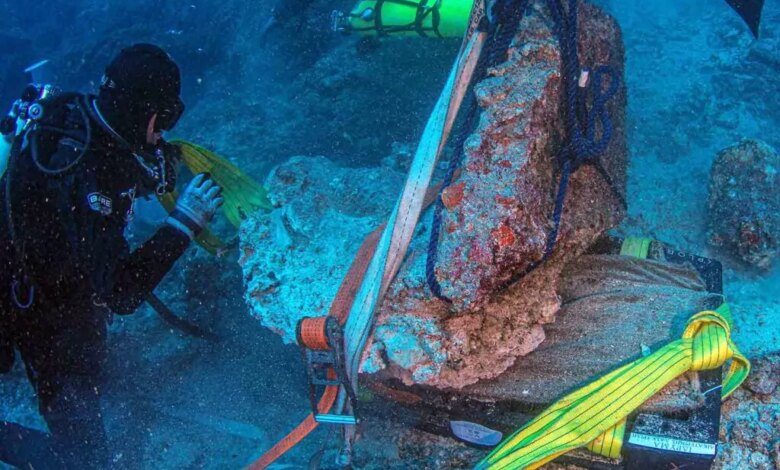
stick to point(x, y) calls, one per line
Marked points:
point(475, 433)
point(672, 444)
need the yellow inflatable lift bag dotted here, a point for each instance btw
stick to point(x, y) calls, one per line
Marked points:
point(437, 18)
point(241, 193)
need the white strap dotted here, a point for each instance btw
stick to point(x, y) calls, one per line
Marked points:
point(396, 237)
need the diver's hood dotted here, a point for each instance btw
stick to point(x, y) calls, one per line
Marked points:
point(143, 80)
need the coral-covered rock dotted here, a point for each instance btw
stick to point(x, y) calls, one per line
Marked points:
point(744, 202)
point(497, 218)
point(502, 221)
point(496, 223)
point(764, 377)
point(294, 259)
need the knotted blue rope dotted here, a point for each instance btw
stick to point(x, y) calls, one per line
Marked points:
point(582, 145)
point(582, 148)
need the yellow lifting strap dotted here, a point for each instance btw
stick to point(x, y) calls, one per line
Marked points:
point(595, 415)
point(241, 193)
point(436, 18)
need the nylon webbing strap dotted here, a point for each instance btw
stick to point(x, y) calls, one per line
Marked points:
point(395, 240)
point(339, 309)
point(594, 416)
point(609, 443)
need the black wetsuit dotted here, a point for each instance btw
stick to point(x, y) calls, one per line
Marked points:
point(69, 242)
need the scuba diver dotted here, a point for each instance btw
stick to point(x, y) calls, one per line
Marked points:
point(77, 165)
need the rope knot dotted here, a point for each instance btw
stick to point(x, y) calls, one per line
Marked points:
point(594, 416)
point(709, 335)
point(584, 146)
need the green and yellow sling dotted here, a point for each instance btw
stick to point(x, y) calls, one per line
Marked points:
point(594, 416)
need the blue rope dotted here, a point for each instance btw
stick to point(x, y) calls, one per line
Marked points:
point(433, 243)
point(559, 199)
point(582, 147)
point(509, 13)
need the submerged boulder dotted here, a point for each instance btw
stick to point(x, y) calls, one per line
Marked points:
point(495, 225)
point(500, 222)
point(294, 258)
point(744, 202)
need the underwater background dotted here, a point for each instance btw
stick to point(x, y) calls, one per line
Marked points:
point(697, 82)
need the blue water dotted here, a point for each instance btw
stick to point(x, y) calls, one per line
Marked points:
point(695, 86)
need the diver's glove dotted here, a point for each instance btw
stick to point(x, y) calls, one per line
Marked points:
point(196, 205)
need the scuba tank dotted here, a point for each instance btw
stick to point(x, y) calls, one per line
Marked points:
point(429, 18)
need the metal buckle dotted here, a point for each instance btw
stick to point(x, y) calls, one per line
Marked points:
point(328, 368)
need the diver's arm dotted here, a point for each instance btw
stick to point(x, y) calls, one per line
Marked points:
point(138, 273)
point(142, 270)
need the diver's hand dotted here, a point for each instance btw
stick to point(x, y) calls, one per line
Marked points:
point(196, 206)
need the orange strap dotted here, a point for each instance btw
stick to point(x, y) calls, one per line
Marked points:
point(301, 431)
point(340, 307)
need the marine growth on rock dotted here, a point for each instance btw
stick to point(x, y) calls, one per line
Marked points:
point(744, 203)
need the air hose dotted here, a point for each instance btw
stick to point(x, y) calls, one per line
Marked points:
point(44, 128)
